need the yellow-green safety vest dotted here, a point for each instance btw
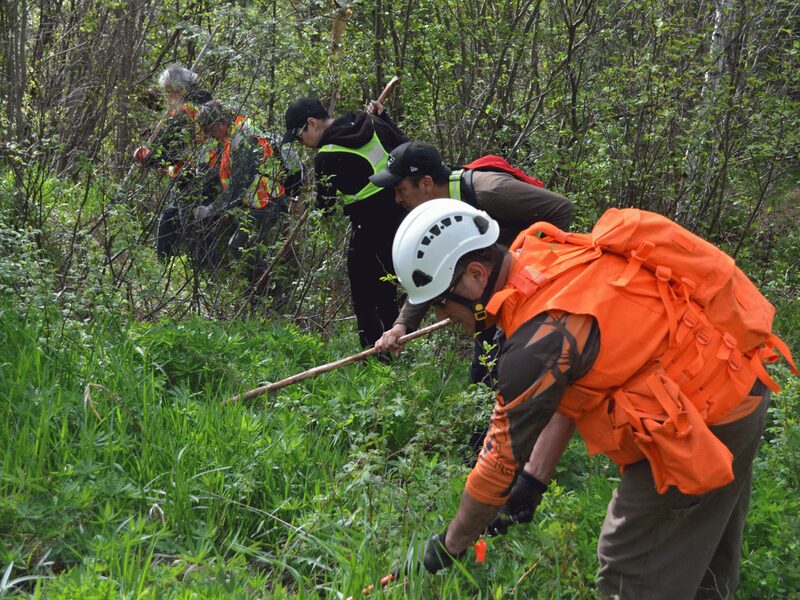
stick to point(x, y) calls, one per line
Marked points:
point(455, 184)
point(374, 152)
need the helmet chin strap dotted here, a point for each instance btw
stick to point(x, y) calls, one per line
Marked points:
point(478, 307)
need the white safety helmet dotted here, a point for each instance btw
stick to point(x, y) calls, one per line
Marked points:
point(431, 240)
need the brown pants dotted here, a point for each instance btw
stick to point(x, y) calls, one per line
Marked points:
point(673, 545)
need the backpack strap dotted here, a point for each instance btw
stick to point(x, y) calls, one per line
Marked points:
point(671, 405)
point(634, 417)
point(499, 298)
point(757, 363)
point(551, 260)
point(663, 277)
point(773, 341)
point(767, 355)
point(498, 164)
point(635, 262)
point(549, 231)
point(526, 282)
point(468, 190)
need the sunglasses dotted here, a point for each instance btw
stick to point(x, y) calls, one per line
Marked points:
point(298, 133)
point(441, 300)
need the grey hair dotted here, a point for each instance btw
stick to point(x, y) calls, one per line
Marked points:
point(177, 78)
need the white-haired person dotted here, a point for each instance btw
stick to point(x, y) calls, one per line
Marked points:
point(176, 147)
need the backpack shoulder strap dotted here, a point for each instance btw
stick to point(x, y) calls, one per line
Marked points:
point(467, 189)
point(549, 231)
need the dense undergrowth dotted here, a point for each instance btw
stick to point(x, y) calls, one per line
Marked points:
point(124, 475)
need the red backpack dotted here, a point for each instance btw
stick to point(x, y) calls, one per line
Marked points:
point(492, 162)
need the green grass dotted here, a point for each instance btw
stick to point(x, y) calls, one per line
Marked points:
point(124, 476)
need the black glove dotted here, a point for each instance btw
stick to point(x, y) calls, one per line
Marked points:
point(525, 496)
point(436, 555)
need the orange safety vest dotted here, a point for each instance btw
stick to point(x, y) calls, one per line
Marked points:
point(267, 187)
point(191, 111)
point(670, 361)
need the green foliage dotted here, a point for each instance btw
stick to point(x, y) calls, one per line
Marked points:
point(120, 458)
point(769, 568)
point(122, 474)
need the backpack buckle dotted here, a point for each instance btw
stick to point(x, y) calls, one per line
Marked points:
point(663, 273)
point(479, 312)
point(729, 340)
point(703, 337)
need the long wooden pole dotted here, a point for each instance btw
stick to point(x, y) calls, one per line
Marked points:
point(388, 89)
point(331, 366)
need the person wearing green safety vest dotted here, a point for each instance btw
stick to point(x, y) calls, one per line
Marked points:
point(352, 148)
point(417, 173)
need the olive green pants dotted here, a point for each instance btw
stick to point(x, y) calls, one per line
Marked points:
point(673, 545)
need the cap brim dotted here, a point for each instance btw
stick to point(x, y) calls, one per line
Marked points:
point(384, 178)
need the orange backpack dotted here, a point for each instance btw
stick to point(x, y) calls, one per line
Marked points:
point(703, 272)
point(717, 338)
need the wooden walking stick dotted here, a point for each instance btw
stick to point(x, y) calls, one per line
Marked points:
point(388, 89)
point(331, 366)
point(384, 94)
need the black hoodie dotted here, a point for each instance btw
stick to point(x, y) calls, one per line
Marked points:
point(348, 173)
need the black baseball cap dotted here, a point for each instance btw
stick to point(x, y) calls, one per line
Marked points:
point(298, 112)
point(411, 159)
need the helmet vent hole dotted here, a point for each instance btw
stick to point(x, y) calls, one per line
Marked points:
point(447, 222)
point(420, 254)
point(458, 218)
point(420, 279)
point(426, 241)
point(435, 230)
point(481, 223)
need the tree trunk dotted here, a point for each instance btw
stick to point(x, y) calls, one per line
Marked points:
point(702, 174)
point(14, 21)
point(378, 40)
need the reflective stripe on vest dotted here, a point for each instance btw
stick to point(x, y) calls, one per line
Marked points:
point(455, 184)
point(375, 154)
point(233, 138)
point(266, 187)
point(198, 138)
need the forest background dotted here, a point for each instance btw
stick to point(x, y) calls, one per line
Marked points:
point(123, 475)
